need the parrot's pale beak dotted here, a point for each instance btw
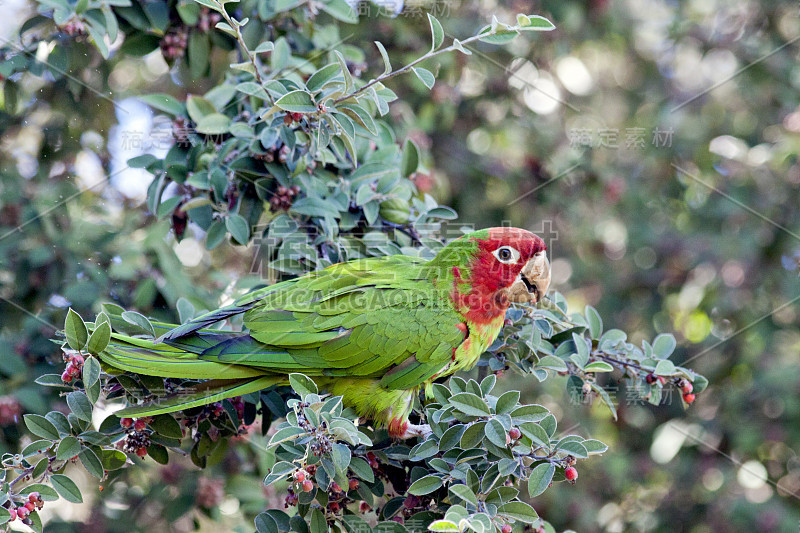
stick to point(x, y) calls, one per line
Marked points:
point(533, 281)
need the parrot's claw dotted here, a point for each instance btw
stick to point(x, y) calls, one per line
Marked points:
point(414, 430)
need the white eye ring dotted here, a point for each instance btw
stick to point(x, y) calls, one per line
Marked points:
point(507, 255)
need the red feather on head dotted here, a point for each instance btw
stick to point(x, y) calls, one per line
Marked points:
point(488, 276)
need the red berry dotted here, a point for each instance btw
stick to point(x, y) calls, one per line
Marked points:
point(334, 507)
point(687, 387)
point(139, 425)
point(66, 377)
point(308, 486)
point(650, 379)
point(506, 528)
point(662, 379)
point(77, 360)
point(353, 484)
point(300, 476)
point(515, 434)
point(126, 422)
point(335, 487)
point(30, 506)
point(311, 469)
point(22, 513)
point(33, 496)
point(141, 452)
point(688, 398)
point(571, 473)
point(13, 514)
point(364, 507)
point(73, 370)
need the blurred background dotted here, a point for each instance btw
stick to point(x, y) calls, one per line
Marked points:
point(654, 143)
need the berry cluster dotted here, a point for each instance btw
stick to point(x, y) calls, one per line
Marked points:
point(9, 410)
point(209, 493)
point(138, 438)
point(283, 198)
point(173, 44)
point(686, 388)
point(290, 118)
point(207, 20)
point(22, 512)
point(73, 27)
point(74, 367)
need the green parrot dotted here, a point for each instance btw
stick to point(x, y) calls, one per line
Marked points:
point(374, 331)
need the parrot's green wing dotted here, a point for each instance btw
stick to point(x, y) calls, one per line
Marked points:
point(376, 318)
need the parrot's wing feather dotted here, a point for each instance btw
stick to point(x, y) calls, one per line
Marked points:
point(356, 319)
point(202, 394)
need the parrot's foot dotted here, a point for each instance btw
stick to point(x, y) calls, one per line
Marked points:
point(414, 430)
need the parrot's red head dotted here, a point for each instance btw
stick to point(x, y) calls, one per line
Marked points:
point(503, 265)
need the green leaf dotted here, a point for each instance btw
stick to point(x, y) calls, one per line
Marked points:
point(496, 433)
point(164, 102)
point(41, 427)
point(437, 33)
point(595, 322)
point(68, 448)
point(425, 76)
point(142, 161)
point(361, 468)
point(664, 345)
point(574, 448)
point(280, 471)
point(263, 48)
point(340, 10)
point(198, 107)
point(664, 368)
point(215, 235)
point(518, 511)
point(45, 491)
point(470, 404)
point(444, 525)
point(598, 366)
point(507, 402)
point(594, 446)
point(302, 384)
point(138, 319)
point(80, 405)
point(529, 413)
point(66, 488)
point(387, 65)
point(552, 362)
point(321, 77)
point(91, 463)
point(297, 102)
point(534, 23)
point(238, 228)
point(99, 339)
point(50, 380)
point(540, 478)
point(465, 493)
point(37, 447)
point(425, 485)
point(340, 455)
point(213, 124)
point(75, 330)
point(5, 516)
point(410, 161)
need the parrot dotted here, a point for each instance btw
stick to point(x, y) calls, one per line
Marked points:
point(376, 331)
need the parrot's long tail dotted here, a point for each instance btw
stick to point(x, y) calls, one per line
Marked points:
point(181, 360)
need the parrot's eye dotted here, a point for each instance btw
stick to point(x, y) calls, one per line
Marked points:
point(507, 254)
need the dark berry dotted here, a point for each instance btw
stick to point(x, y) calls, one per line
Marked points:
point(334, 507)
point(571, 473)
point(364, 507)
point(650, 379)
